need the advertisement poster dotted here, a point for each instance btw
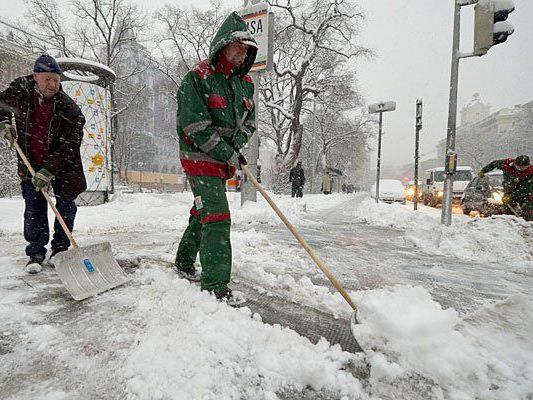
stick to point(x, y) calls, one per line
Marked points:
point(94, 102)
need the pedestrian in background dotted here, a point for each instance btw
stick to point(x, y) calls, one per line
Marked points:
point(327, 184)
point(297, 178)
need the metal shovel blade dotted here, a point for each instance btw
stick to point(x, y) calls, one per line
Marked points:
point(89, 270)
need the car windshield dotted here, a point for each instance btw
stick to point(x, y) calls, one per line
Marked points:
point(496, 180)
point(390, 186)
point(438, 176)
point(463, 176)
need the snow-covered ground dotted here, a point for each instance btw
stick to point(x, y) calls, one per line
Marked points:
point(159, 337)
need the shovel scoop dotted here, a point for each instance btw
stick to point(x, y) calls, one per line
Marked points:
point(89, 270)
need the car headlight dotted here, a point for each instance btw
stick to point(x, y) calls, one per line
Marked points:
point(497, 197)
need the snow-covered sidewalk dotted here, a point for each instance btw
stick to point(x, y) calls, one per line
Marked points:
point(160, 338)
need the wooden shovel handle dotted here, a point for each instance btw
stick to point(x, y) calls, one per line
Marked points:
point(300, 238)
point(46, 196)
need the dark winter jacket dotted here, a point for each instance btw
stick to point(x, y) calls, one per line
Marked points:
point(297, 177)
point(65, 134)
point(216, 114)
point(517, 185)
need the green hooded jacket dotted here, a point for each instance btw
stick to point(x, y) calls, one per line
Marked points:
point(517, 185)
point(216, 112)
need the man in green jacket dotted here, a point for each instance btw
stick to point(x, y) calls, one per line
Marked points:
point(216, 118)
point(517, 184)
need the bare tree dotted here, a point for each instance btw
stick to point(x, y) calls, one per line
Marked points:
point(185, 37)
point(338, 131)
point(313, 41)
point(105, 31)
point(49, 17)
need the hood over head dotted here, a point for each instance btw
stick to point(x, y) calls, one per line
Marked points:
point(234, 29)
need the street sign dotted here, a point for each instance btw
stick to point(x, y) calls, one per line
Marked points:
point(260, 21)
point(382, 107)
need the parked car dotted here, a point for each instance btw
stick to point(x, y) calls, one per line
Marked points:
point(390, 190)
point(433, 188)
point(484, 195)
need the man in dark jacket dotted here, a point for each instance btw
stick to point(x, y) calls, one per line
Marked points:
point(297, 178)
point(216, 118)
point(517, 184)
point(49, 130)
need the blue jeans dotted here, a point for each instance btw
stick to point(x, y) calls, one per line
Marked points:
point(36, 229)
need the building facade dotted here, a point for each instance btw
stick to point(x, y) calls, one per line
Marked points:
point(483, 136)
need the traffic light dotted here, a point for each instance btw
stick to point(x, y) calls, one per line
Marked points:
point(490, 25)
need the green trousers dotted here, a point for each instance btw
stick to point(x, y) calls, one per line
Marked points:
point(208, 233)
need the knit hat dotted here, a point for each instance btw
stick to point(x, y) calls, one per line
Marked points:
point(46, 63)
point(522, 161)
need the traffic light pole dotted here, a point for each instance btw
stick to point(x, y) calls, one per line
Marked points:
point(379, 156)
point(450, 157)
point(446, 217)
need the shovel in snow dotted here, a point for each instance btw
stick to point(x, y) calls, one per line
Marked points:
point(304, 244)
point(85, 271)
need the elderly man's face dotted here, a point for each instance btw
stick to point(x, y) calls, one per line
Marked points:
point(235, 53)
point(48, 83)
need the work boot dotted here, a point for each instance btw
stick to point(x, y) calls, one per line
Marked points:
point(227, 296)
point(51, 262)
point(188, 273)
point(33, 265)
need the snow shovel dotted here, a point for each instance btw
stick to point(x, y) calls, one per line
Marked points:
point(85, 271)
point(304, 244)
point(513, 210)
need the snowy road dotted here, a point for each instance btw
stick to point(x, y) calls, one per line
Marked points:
point(446, 312)
point(369, 257)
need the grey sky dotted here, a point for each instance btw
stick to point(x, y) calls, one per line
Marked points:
point(412, 42)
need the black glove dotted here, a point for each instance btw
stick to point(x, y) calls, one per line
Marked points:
point(237, 159)
point(242, 159)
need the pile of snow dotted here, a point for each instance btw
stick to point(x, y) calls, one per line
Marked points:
point(187, 345)
point(194, 347)
point(486, 355)
point(501, 238)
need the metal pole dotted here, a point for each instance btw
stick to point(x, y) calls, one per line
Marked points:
point(417, 143)
point(141, 176)
point(379, 156)
point(248, 190)
point(313, 145)
point(446, 216)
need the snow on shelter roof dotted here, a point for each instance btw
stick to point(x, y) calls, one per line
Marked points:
point(86, 71)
